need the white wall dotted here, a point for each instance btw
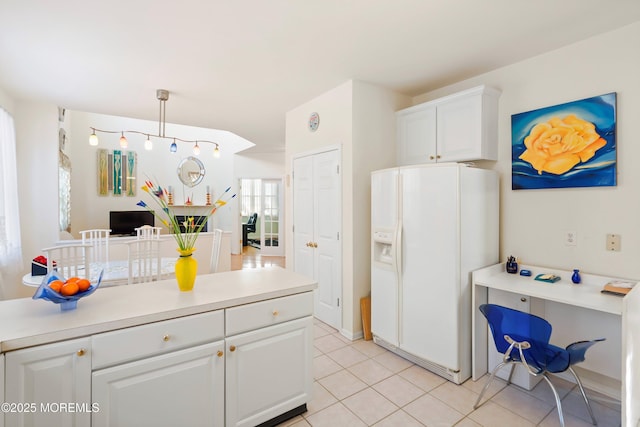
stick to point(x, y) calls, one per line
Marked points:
point(6, 102)
point(358, 117)
point(37, 153)
point(533, 222)
point(90, 210)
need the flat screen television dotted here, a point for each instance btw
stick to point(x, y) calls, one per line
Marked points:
point(126, 222)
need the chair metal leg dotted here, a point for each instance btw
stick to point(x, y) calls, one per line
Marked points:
point(513, 367)
point(555, 393)
point(486, 386)
point(584, 396)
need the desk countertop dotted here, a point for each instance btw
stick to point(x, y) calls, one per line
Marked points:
point(586, 294)
point(26, 322)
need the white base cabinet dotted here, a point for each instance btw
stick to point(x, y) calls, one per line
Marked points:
point(46, 378)
point(238, 366)
point(184, 387)
point(268, 372)
point(456, 128)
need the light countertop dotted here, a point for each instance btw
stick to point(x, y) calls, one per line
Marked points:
point(26, 322)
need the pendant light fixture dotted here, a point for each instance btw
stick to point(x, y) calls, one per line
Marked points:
point(162, 95)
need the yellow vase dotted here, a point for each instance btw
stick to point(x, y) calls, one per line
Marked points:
point(186, 269)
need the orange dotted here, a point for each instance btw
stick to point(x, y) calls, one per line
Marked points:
point(69, 288)
point(83, 284)
point(72, 279)
point(55, 285)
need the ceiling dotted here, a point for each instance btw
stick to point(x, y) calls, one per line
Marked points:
point(240, 65)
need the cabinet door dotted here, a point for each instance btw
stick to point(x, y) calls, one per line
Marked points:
point(182, 388)
point(50, 376)
point(416, 135)
point(460, 129)
point(269, 372)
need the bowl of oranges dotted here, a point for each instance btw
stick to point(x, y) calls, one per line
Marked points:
point(65, 292)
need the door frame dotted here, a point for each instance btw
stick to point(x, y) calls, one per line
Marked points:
point(272, 250)
point(294, 157)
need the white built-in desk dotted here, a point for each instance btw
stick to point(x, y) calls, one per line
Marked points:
point(576, 312)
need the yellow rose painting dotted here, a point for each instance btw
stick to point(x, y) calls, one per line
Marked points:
point(568, 145)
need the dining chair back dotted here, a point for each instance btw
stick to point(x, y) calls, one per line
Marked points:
point(99, 241)
point(523, 339)
point(148, 232)
point(69, 260)
point(215, 250)
point(143, 260)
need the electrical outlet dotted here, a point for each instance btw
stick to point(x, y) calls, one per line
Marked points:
point(571, 238)
point(613, 242)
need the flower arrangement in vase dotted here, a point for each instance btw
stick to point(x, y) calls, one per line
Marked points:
point(185, 233)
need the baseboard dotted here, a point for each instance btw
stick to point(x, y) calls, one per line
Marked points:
point(351, 336)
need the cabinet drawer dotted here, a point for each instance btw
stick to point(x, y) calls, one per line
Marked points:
point(257, 315)
point(112, 348)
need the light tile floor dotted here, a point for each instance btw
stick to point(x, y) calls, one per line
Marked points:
point(362, 384)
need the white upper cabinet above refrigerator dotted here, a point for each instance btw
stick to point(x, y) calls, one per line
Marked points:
point(456, 128)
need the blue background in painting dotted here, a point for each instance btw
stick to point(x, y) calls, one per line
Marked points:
point(599, 110)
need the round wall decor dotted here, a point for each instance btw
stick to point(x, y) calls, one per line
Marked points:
point(314, 121)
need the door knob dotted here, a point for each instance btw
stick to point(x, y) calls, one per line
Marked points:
point(232, 348)
point(314, 244)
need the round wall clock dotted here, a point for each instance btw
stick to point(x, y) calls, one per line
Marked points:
point(314, 122)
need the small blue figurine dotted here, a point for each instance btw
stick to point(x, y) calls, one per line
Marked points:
point(575, 277)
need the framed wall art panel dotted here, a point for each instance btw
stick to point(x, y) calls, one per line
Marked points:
point(565, 145)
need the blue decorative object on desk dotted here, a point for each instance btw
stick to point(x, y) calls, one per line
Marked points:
point(512, 265)
point(575, 277)
point(66, 302)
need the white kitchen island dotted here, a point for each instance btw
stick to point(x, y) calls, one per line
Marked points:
point(235, 351)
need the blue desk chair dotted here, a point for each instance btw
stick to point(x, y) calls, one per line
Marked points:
point(524, 338)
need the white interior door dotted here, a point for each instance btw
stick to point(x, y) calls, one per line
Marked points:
point(303, 225)
point(317, 220)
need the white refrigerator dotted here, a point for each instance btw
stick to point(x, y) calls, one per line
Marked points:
point(431, 226)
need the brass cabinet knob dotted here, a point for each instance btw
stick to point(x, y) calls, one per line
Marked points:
point(315, 245)
point(431, 158)
point(232, 348)
point(166, 337)
point(220, 353)
point(275, 312)
point(438, 156)
point(523, 299)
point(81, 352)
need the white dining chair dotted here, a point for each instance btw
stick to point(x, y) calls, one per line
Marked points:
point(144, 260)
point(148, 232)
point(70, 260)
point(99, 241)
point(215, 250)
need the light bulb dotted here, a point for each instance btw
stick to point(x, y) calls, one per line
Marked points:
point(216, 152)
point(174, 147)
point(148, 145)
point(93, 138)
point(123, 141)
point(196, 149)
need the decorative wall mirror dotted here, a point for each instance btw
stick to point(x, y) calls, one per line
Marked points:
point(191, 171)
